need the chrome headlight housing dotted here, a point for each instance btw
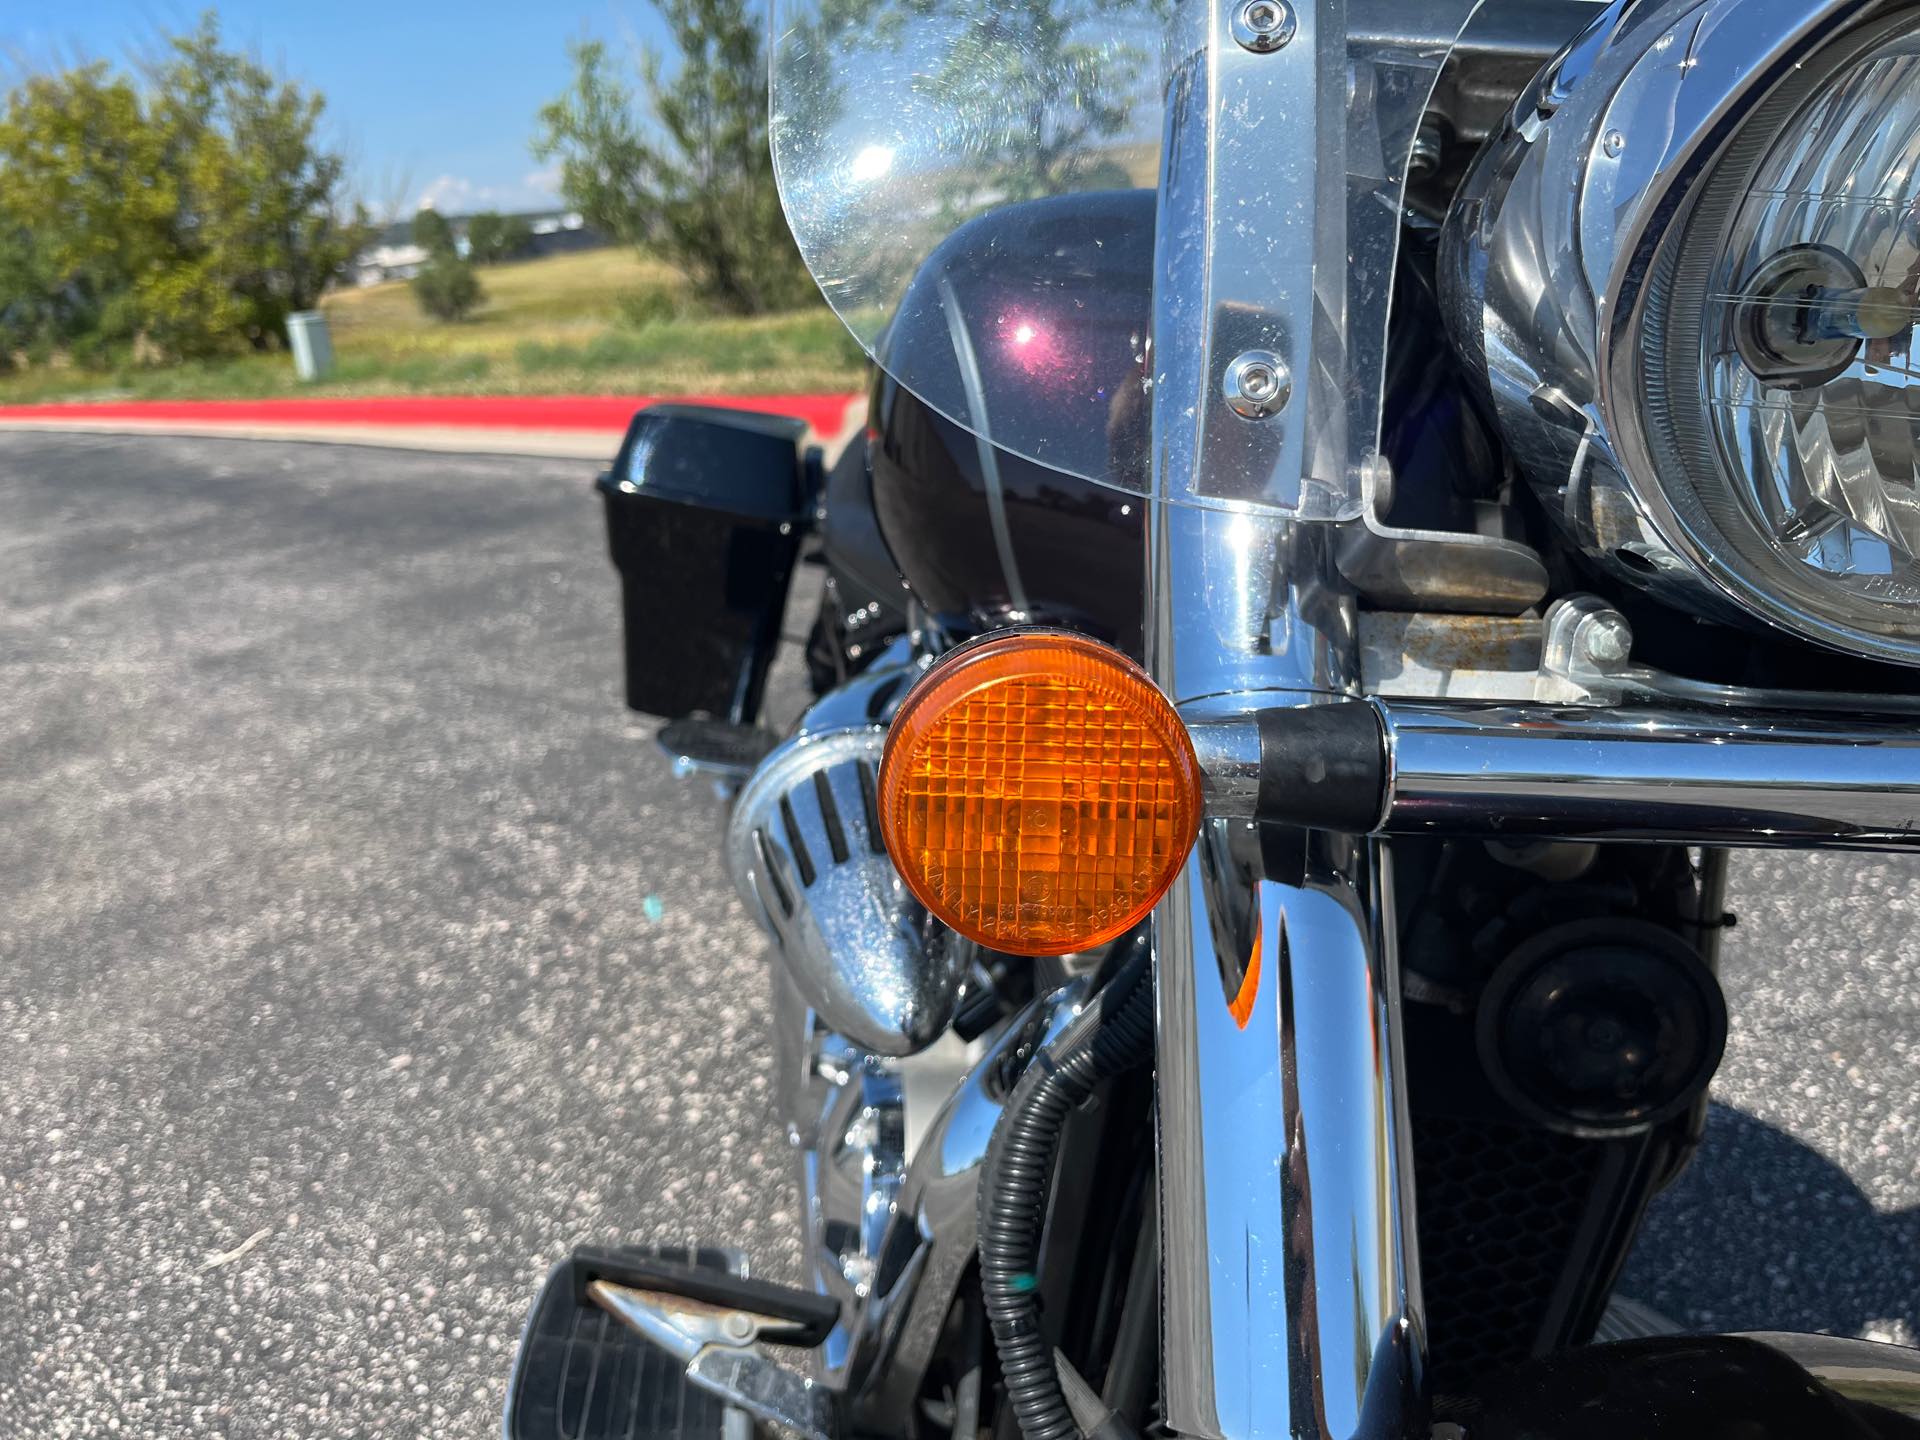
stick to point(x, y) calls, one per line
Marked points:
point(1690, 270)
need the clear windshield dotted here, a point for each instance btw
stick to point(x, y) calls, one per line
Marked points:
point(1146, 242)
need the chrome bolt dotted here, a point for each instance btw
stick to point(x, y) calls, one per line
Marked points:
point(1608, 640)
point(1614, 143)
point(1263, 26)
point(1257, 385)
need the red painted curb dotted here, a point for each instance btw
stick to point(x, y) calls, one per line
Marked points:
point(823, 413)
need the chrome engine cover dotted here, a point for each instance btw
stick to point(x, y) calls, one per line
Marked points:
point(845, 1114)
point(889, 1154)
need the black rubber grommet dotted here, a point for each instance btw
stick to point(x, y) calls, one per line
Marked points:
point(1323, 766)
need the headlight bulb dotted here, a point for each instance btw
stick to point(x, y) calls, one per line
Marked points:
point(1805, 313)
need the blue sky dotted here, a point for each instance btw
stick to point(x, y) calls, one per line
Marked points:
point(430, 99)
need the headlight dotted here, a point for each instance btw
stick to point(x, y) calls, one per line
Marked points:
point(1691, 271)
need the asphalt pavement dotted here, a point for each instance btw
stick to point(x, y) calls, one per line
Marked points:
point(359, 956)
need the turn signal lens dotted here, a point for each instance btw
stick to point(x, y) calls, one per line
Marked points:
point(1038, 793)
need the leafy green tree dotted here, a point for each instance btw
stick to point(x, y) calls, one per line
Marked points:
point(447, 289)
point(1047, 88)
point(1050, 95)
point(691, 180)
point(182, 218)
point(88, 204)
point(263, 213)
point(433, 232)
point(33, 317)
point(516, 238)
point(492, 238)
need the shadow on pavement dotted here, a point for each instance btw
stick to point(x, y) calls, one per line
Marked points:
point(1764, 1233)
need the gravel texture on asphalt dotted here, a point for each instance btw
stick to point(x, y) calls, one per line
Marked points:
point(358, 957)
point(1802, 1209)
point(326, 859)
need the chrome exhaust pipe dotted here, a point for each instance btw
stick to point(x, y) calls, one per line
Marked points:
point(1736, 778)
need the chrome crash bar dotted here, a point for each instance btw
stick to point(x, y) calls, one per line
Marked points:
point(1291, 1297)
point(1291, 1291)
point(1735, 778)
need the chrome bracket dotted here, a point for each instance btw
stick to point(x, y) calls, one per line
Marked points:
point(1403, 569)
point(1577, 654)
point(1584, 652)
point(720, 1349)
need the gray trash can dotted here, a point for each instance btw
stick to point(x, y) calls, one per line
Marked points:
point(312, 344)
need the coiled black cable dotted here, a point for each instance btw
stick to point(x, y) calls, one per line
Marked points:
point(1019, 1174)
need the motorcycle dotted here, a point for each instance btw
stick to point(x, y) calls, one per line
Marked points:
point(1364, 503)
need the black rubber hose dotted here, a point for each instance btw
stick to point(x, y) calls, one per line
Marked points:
point(1019, 1175)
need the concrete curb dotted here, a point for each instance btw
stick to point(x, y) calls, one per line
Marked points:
point(596, 445)
point(558, 427)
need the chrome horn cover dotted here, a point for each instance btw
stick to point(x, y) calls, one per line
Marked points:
point(805, 852)
point(1546, 255)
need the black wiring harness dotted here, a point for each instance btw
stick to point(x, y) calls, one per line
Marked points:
point(1019, 1176)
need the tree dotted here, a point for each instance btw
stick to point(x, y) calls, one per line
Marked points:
point(492, 238)
point(86, 203)
point(433, 232)
point(182, 218)
point(447, 289)
point(1047, 85)
point(1044, 97)
point(693, 181)
point(262, 206)
point(35, 315)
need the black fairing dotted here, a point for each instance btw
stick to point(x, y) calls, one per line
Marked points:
point(1078, 545)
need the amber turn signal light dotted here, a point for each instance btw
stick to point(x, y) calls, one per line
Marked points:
point(1038, 793)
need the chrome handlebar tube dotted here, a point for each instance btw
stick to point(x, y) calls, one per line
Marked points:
point(1743, 779)
point(1725, 777)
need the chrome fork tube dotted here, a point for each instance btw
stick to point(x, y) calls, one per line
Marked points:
point(1290, 1297)
point(1290, 1290)
point(1291, 1294)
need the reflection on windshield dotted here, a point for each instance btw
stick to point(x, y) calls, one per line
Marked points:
point(1028, 325)
point(919, 144)
point(895, 122)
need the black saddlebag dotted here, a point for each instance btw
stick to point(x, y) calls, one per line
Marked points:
point(705, 513)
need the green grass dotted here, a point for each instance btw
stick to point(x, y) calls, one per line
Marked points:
point(599, 322)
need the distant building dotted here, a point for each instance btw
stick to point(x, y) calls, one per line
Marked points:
point(393, 255)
